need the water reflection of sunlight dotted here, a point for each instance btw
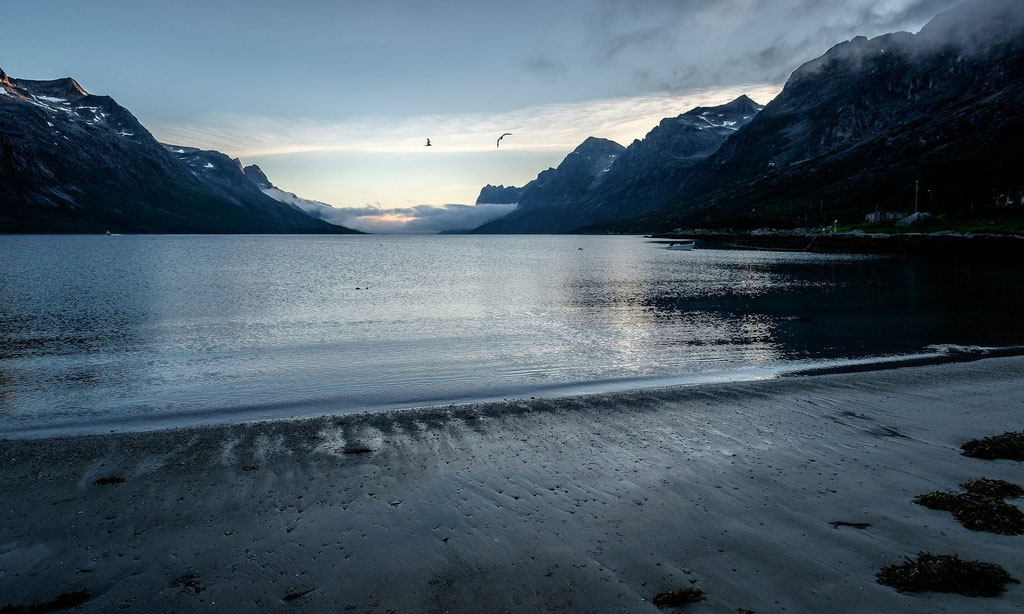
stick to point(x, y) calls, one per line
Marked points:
point(163, 325)
point(606, 294)
point(672, 313)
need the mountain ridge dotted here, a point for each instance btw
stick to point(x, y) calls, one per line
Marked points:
point(859, 127)
point(556, 188)
point(77, 162)
point(321, 210)
point(632, 179)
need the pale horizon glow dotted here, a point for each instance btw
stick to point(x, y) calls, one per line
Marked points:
point(551, 127)
point(332, 156)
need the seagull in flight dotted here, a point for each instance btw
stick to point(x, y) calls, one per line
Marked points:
point(498, 144)
point(428, 143)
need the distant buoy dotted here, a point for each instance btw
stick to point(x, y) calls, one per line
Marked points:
point(580, 249)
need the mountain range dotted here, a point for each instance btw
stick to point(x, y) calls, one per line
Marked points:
point(75, 162)
point(861, 128)
point(935, 118)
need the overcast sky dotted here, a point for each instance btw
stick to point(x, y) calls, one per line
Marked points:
point(335, 99)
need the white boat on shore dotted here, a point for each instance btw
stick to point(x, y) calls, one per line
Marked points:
point(681, 246)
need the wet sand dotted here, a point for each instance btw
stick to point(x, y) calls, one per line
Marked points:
point(585, 504)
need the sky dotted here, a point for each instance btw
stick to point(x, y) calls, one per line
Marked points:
point(335, 99)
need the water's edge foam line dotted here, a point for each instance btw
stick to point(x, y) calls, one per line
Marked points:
point(939, 354)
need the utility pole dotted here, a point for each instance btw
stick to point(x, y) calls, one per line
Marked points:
point(917, 186)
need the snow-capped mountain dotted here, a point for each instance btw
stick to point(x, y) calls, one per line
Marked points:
point(75, 162)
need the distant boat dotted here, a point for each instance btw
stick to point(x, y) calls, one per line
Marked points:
point(681, 246)
point(108, 233)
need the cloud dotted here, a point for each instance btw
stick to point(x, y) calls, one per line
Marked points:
point(545, 67)
point(703, 43)
point(617, 26)
point(420, 219)
point(552, 127)
point(882, 16)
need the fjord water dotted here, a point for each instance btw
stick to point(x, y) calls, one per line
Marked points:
point(130, 332)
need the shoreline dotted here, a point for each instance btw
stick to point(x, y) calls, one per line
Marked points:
point(587, 503)
point(307, 410)
point(932, 244)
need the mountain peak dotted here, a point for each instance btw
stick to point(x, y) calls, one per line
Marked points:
point(256, 175)
point(853, 52)
point(499, 194)
point(595, 144)
point(972, 27)
point(64, 89)
point(743, 105)
point(976, 24)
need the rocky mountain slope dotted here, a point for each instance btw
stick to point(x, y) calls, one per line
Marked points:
point(499, 195)
point(75, 162)
point(255, 175)
point(646, 175)
point(652, 172)
point(546, 203)
point(857, 128)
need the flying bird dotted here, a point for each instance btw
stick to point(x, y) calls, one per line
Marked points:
point(498, 144)
point(428, 143)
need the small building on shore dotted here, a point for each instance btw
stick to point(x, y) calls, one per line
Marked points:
point(876, 216)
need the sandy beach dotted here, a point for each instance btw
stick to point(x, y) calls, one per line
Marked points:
point(582, 504)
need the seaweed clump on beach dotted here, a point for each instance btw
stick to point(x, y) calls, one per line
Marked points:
point(997, 489)
point(679, 597)
point(941, 500)
point(1008, 445)
point(64, 601)
point(946, 573)
point(982, 507)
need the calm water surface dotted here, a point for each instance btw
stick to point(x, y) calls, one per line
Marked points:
point(100, 333)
